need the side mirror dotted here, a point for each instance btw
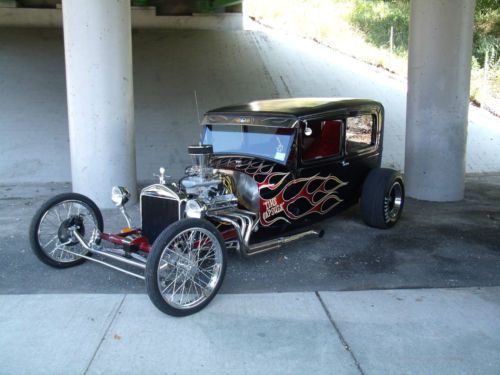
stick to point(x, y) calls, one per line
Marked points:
point(307, 131)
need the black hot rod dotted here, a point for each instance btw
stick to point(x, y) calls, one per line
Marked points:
point(259, 169)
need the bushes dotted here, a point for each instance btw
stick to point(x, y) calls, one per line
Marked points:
point(361, 28)
point(487, 32)
point(375, 19)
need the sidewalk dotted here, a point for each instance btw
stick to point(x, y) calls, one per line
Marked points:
point(419, 331)
point(388, 301)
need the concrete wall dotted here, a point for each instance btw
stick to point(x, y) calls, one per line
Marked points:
point(33, 118)
point(224, 68)
point(168, 67)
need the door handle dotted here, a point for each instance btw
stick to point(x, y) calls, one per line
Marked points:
point(345, 163)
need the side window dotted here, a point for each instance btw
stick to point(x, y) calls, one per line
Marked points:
point(359, 133)
point(324, 141)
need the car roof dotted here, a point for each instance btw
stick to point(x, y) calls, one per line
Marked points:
point(296, 107)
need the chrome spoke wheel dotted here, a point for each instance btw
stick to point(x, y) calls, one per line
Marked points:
point(54, 235)
point(185, 267)
point(189, 268)
point(54, 224)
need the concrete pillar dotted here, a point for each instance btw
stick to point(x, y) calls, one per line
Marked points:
point(439, 66)
point(98, 52)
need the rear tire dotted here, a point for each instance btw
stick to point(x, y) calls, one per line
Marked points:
point(382, 198)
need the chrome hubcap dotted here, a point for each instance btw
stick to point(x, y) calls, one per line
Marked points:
point(393, 201)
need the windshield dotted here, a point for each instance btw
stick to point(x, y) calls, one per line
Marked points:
point(262, 141)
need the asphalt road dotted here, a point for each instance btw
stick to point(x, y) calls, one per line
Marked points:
point(434, 245)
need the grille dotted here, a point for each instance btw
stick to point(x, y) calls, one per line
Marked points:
point(157, 214)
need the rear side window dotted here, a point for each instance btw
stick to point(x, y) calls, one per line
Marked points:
point(359, 133)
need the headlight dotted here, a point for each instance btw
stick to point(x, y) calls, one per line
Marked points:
point(194, 209)
point(119, 195)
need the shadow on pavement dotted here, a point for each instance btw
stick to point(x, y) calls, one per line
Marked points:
point(434, 245)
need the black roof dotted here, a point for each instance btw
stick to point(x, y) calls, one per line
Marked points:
point(296, 107)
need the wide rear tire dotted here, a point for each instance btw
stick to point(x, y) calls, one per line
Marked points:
point(382, 198)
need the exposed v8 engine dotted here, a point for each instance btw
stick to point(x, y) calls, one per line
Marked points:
point(207, 190)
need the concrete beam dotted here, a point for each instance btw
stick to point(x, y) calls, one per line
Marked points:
point(142, 17)
point(438, 98)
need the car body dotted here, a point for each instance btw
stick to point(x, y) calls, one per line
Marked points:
point(262, 172)
point(320, 173)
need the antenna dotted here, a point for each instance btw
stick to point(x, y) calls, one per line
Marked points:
point(197, 109)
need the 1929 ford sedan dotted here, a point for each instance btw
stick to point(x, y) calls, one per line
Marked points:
point(262, 172)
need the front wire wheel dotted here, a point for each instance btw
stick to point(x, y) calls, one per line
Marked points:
point(186, 267)
point(50, 234)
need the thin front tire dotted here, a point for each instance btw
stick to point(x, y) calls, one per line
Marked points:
point(186, 267)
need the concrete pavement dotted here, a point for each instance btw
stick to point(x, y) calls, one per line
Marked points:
point(420, 331)
point(435, 245)
point(53, 322)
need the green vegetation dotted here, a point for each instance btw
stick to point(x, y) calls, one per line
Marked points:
point(375, 19)
point(487, 32)
point(211, 6)
point(362, 28)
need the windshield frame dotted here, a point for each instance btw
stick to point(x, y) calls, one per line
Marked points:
point(287, 150)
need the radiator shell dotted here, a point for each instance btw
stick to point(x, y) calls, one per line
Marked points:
point(160, 207)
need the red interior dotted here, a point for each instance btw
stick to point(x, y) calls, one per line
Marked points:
point(324, 141)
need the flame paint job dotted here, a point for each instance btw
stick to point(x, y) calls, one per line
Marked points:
point(282, 197)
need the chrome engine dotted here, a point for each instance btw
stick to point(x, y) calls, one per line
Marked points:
point(203, 193)
point(206, 189)
point(214, 193)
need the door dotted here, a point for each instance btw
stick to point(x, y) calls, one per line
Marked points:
point(335, 155)
point(321, 152)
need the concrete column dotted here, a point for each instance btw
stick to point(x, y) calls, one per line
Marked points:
point(439, 66)
point(98, 52)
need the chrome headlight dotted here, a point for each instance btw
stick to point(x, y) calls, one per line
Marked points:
point(194, 209)
point(120, 195)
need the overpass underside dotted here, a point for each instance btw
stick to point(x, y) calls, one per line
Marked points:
point(223, 67)
point(168, 66)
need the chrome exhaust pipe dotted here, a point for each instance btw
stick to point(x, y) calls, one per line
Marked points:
point(244, 222)
point(265, 246)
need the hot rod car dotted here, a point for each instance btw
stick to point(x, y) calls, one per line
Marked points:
point(261, 173)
